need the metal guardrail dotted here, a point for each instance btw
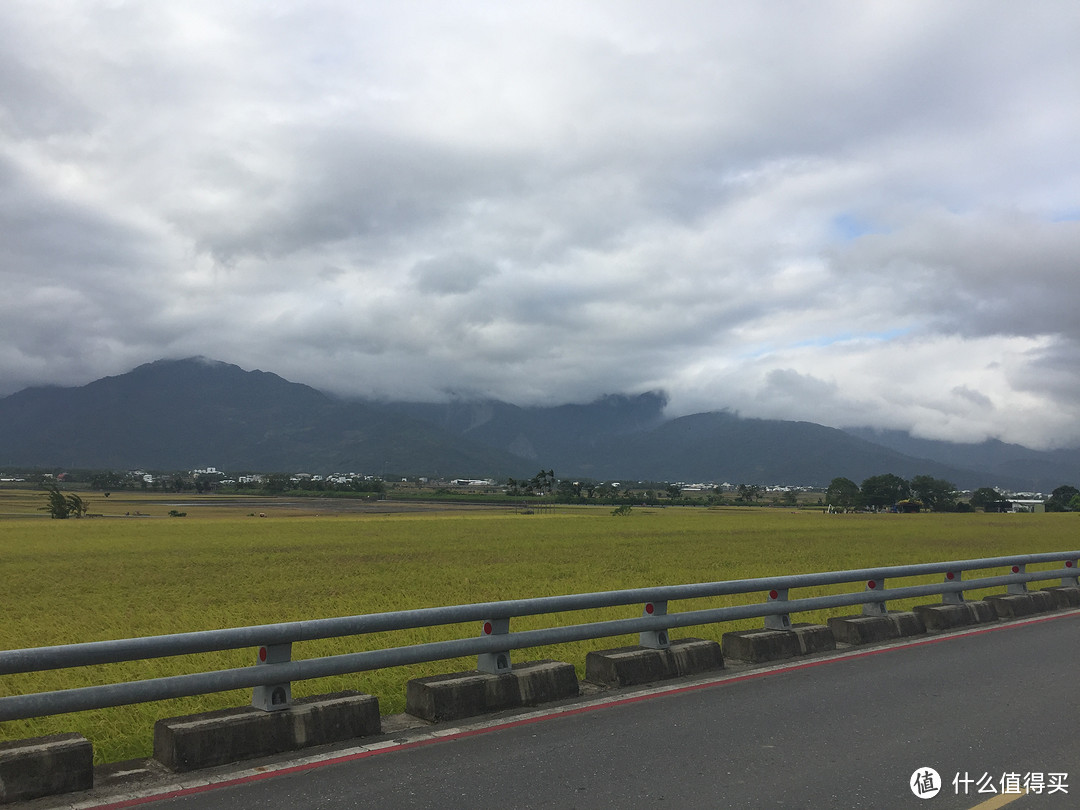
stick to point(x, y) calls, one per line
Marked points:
point(275, 670)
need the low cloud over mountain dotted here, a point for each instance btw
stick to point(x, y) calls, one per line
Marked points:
point(183, 414)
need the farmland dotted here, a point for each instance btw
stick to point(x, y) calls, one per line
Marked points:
point(136, 571)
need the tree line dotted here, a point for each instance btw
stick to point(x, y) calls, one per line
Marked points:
point(934, 494)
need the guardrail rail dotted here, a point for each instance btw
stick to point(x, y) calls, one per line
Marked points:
point(275, 668)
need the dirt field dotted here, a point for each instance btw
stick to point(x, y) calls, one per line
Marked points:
point(25, 503)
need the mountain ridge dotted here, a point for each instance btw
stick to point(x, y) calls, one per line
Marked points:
point(194, 412)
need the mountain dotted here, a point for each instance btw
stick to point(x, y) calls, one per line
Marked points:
point(185, 414)
point(628, 438)
point(723, 446)
point(570, 433)
point(1038, 470)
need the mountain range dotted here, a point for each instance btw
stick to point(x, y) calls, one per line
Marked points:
point(193, 413)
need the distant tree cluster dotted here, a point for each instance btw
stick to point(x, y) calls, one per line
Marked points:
point(1065, 498)
point(890, 491)
point(989, 500)
point(61, 506)
point(934, 494)
point(203, 482)
point(748, 493)
point(541, 483)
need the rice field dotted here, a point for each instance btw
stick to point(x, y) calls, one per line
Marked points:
point(122, 576)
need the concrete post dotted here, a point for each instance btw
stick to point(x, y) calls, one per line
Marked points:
point(874, 608)
point(494, 663)
point(1073, 581)
point(278, 696)
point(1017, 587)
point(955, 597)
point(654, 639)
point(781, 621)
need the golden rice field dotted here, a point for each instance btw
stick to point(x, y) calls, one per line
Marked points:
point(122, 575)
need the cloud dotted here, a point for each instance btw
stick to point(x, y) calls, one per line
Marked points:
point(451, 275)
point(847, 214)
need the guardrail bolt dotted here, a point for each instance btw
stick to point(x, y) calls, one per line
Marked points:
point(277, 696)
point(778, 621)
point(654, 639)
point(494, 663)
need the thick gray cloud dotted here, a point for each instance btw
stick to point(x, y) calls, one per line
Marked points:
point(846, 213)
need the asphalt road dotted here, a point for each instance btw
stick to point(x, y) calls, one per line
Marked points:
point(847, 731)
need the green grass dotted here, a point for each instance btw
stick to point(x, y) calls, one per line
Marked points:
point(84, 580)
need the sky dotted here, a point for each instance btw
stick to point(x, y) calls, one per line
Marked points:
point(851, 213)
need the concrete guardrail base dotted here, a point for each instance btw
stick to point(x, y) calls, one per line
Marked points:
point(1065, 597)
point(231, 735)
point(466, 694)
point(1018, 605)
point(630, 666)
point(45, 766)
point(872, 629)
point(939, 618)
point(760, 646)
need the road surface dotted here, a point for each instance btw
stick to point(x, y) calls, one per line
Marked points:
point(847, 731)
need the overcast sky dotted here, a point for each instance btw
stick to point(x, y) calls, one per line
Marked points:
point(852, 213)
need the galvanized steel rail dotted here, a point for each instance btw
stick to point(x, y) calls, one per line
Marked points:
point(274, 672)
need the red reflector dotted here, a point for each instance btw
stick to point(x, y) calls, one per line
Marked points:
point(773, 594)
point(1016, 569)
point(649, 608)
point(487, 628)
point(950, 575)
point(262, 653)
point(871, 584)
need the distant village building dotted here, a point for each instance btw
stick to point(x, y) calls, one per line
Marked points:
point(1026, 505)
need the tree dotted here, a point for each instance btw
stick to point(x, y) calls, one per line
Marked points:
point(543, 481)
point(77, 506)
point(842, 492)
point(985, 498)
point(936, 494)
point(884, 490)
point(568, 491)
point(276, 483)
point(748, 494)
point(56, 504)
point(1061, 497)
point(548, 479)
point(106, 480)
point(61, 506)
